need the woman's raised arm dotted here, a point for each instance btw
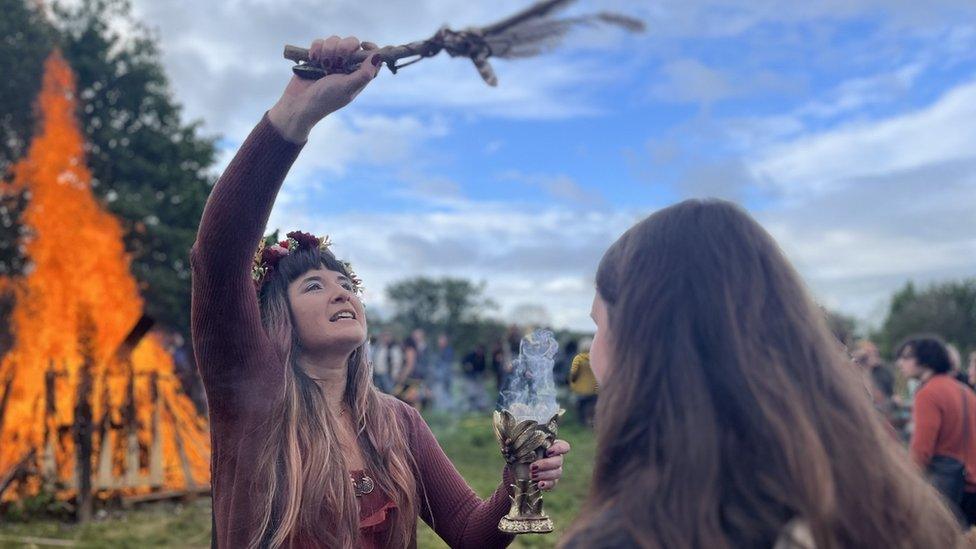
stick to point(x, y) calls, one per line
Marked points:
point(226, 324)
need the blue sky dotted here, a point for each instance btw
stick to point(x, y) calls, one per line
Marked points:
point(847, 128)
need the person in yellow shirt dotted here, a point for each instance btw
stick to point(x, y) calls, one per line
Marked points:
point(583, 383)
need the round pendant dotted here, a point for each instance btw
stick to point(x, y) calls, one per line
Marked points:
point(363, 485)
point(366, 484)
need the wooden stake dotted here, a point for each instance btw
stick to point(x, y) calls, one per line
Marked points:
point(7, 384)
point(184, 461)
point(156, 449)
point(18, 469)
point(105, 480)
point(49, 465)
point(82, 424)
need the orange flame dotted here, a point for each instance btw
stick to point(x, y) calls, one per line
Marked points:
point(79, 269)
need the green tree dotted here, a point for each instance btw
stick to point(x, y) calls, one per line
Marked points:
point(947, 309)
point(26, 42)
point(453, 306)
point(149, 167)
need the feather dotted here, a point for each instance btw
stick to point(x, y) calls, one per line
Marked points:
point(536, 11)
point(626, 22)
point(534, 36)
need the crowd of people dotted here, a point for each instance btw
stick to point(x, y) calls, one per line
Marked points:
point(436, 376)
point(929, 401)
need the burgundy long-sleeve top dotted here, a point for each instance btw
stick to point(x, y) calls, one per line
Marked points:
point(243, 375)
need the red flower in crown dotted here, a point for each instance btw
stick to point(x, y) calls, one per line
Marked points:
point(272, 254)
point(269, 254)
point(305, 240)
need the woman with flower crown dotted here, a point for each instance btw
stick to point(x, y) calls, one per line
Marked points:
point(306, 452)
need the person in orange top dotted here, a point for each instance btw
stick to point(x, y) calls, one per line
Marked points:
point(943, 442)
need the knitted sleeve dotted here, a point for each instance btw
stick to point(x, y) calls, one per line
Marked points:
point(235, 357)
point(447, 503)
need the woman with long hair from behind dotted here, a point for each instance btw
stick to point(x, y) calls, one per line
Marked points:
point(306, 452)
point(728, 415)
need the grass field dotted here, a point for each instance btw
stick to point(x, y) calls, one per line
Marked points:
point(467, 440)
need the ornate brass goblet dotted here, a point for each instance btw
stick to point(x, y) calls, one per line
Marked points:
point(523, 442)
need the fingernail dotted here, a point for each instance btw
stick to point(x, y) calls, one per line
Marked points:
point(376, 60)
point(535, 476)
point(534, 468)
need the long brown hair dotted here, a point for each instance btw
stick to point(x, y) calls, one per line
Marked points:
point(729, 409)
point(301, 467)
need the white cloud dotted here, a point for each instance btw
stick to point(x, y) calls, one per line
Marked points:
point(343, 139)
point(560, 187)
point(542, 257)
point(869, 206)
point(851, 95)
point(815, 163)
point(224, 58)
point(728, 18)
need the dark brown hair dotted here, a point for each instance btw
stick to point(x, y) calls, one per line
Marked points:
point(729, 409)
point(930, 351)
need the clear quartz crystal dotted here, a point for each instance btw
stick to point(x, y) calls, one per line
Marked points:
point(530, 391)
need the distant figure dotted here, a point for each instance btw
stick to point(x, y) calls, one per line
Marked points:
point(500, 364)
point(878, 378)
point(387, 361)
point(442, 374)
point(564, 361)
point(473, 367)
point(583, 383)
point(412, 382)
point(971, 370)
point(944, 440)
point(955, 361)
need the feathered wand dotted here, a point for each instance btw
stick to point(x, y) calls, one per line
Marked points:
point(527, 33)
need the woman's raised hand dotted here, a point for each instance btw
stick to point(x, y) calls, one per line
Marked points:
point(305, 102)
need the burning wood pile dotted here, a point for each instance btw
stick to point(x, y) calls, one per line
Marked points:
point(89, 402)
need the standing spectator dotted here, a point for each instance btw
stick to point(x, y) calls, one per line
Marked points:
point(942, 443)
point(564, 361)
point(473, 367)
point(955, 362)
point(387, 360)
point(582, 382)
point(412, 383)
point(878, 378)
point(500, 364)
point(971, 370)
point(442, 374)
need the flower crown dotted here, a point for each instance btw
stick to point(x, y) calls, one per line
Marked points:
point(270, 251)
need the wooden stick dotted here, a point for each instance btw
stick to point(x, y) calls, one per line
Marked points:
point(49, 466)
point(389, 54)
point(8, 383)
point(82, 426)
point(184, 461)
point(156, 446)
point(19, 467)
point(105, 479)
point(130, 422)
